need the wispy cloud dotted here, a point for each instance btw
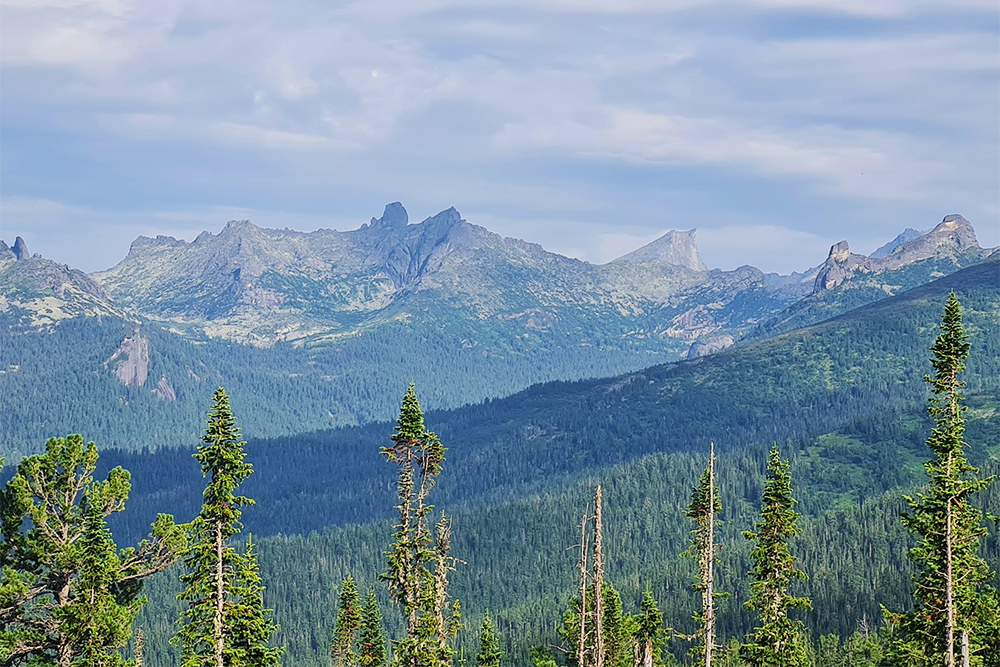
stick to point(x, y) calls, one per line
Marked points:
point(613, 118)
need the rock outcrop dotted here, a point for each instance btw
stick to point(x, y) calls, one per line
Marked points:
point(674, 247)
point(130, 362)
point(953, 237)
point(710, 346)
point(20, 249)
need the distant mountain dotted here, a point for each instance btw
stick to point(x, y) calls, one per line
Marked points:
point(908, 235)
point(259, 285)
point(848, 280)
point(40, 293)
point(338, 321)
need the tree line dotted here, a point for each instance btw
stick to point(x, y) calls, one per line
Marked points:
point(69, 595)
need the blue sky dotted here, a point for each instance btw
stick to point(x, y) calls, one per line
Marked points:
point(776, 127)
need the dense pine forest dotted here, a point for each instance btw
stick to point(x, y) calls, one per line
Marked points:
point(573, 525)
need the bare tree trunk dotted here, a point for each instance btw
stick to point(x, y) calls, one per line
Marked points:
point(219, 597)
point(949, 586)
point(581, 650)
point(598, 580)
point(709, 570)
point(64, 652)
point(965, 648)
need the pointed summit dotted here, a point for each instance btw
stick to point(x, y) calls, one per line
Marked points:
point(674, 247)
point(20, 249)
point(393, 217)
point(909, 234)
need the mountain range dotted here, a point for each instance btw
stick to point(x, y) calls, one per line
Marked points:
point(324, 324)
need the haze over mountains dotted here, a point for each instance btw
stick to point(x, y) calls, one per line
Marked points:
point(337, 317)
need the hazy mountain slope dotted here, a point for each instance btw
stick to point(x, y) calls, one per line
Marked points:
point(261, 285)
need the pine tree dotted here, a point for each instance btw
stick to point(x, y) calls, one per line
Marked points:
point(211, 562)
point(67, 594)
point(420, 592)
point(649, 632)
point(776, 642)
point(705, 504)
point(348, 622)
point(955, 611)
point(489, 654)
point(616, 628)
point(248, 625)
point(371, 641)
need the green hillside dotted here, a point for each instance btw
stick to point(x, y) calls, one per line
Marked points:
point(843, 398)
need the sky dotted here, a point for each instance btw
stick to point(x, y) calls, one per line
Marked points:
point(775, 127)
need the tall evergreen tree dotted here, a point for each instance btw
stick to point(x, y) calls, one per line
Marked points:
point(420, 592)
point(371, 641)
point(955, 612)
point(705, 504)
point(776, 642)
point(617, 629)
point(489, 654)
point(348, 622)
point(212, 563)
point(248, 625)
point(67, 594)
point(649, 632)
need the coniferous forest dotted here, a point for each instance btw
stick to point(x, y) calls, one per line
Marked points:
point(598, 528)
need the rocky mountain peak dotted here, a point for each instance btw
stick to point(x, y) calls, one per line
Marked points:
point(953, 237)
point(394, 217)
point(909, 234)
point(675, 247)
point(957, 229)
point(20, 249)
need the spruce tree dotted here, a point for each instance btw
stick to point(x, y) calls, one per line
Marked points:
point(213, 564)
point(616, 629)
point(420, 592)
point(348, 622)
point(649, 632)
point(776, 642)
point(954, 611)
point(67, 594)
point(371, 641)
point(705, 504)
point(489, 654)
point(249, 626)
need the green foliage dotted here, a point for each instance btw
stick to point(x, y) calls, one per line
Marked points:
point(348, 622)
point(248, 625)
point(775, 642)
point(949, 591)
point(224, 618)
point(489, 654)
point(420, 592)
point(371, 642)
point(67, 594)
point(649, 632)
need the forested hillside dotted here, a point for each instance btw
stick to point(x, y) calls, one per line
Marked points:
point(858, 375)
point(844, 399)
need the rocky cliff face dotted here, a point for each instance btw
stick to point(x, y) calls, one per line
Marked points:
point(130, 362)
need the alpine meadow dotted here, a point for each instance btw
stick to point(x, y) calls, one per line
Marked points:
point(705, 373)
